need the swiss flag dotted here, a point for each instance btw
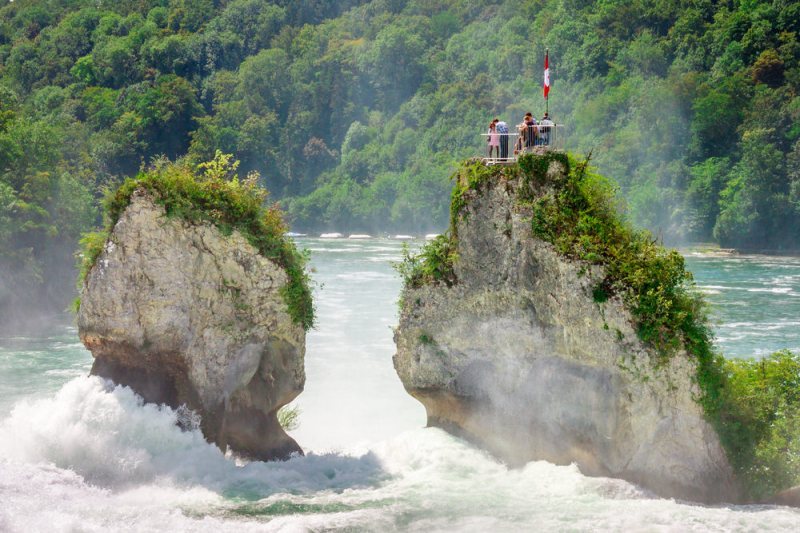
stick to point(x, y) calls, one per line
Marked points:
point(546, 73)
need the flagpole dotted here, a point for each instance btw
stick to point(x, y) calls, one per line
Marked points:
point(547, 96)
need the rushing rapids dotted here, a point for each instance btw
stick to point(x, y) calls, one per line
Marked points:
point(100, 459)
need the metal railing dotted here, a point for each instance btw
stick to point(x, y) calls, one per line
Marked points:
point(524, 139)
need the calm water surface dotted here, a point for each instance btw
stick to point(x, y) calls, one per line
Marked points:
point(79, 455)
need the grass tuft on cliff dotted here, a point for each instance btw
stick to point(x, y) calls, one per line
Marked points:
point(753, 405)
point(212, 192)
point(289, 417)
point(432, 264)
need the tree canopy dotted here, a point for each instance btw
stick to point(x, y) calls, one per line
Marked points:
point(356, 112)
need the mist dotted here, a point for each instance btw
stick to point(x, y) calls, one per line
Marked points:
point(36, 296)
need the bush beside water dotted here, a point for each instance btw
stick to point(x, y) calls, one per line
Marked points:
point(212, 192)
point(759, 421)
point(753, 405)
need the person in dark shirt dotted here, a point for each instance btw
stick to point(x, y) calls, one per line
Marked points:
point(530, 134)
point(502, 128)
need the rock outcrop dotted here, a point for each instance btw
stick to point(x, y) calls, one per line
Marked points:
point(186, 315)
point(790, 497)
point(517, 356)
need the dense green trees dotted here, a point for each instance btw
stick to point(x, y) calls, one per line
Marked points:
point(759, 421)
point(355, 113)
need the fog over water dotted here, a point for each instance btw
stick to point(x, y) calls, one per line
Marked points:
point(77, 454)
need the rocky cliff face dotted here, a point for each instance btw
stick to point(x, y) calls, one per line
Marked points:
point(186, 315)
point(518, 357)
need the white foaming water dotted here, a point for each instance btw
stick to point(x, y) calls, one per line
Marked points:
point(83, 455)
point(94, 458)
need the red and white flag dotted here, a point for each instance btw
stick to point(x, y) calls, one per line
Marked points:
point(546, 74)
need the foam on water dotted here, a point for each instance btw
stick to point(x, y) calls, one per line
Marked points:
point(94, 458)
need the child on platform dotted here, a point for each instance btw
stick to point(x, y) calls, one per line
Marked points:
point(493, 139)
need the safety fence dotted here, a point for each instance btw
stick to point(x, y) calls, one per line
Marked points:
point(506, 147)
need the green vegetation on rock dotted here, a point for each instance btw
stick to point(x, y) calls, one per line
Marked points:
point(289, 417)
point(576, 210)
point(753, 405)
point(433, 263)
point(578, 213)
point(212, 192)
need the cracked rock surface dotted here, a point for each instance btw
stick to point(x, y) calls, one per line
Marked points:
point(186, 315)
point(517, 357)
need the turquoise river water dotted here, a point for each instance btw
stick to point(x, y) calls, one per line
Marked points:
point(77, 454)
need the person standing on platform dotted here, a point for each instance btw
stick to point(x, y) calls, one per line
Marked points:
point(494, 139)
point(530, 131)
point(545, 128)
point(502, 129)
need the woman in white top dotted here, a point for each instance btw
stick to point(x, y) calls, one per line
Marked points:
point(493, 140)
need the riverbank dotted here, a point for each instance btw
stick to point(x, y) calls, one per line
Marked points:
point(712, 249)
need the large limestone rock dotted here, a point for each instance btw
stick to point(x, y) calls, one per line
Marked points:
point(186, 315)
point(517, 357)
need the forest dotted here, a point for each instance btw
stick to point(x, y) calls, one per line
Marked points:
point(356, 113)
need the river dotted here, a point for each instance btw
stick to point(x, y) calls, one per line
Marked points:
point(77, 454)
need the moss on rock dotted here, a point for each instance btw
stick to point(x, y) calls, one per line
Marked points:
point(213, 193)
point(577, 211)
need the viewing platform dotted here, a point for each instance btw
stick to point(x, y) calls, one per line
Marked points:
point(542, 138)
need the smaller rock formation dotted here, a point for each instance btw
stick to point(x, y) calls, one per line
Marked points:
point(512, 351)
point(186, 315)
point(790, 497)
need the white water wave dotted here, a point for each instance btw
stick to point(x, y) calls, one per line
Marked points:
point(93, 458)
point(773, 290)
point(365, 276)
point(710, 291)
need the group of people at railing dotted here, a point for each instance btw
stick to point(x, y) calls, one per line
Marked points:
point(530, 133)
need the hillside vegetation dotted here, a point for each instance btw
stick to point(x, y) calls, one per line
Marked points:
point(355, 113)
